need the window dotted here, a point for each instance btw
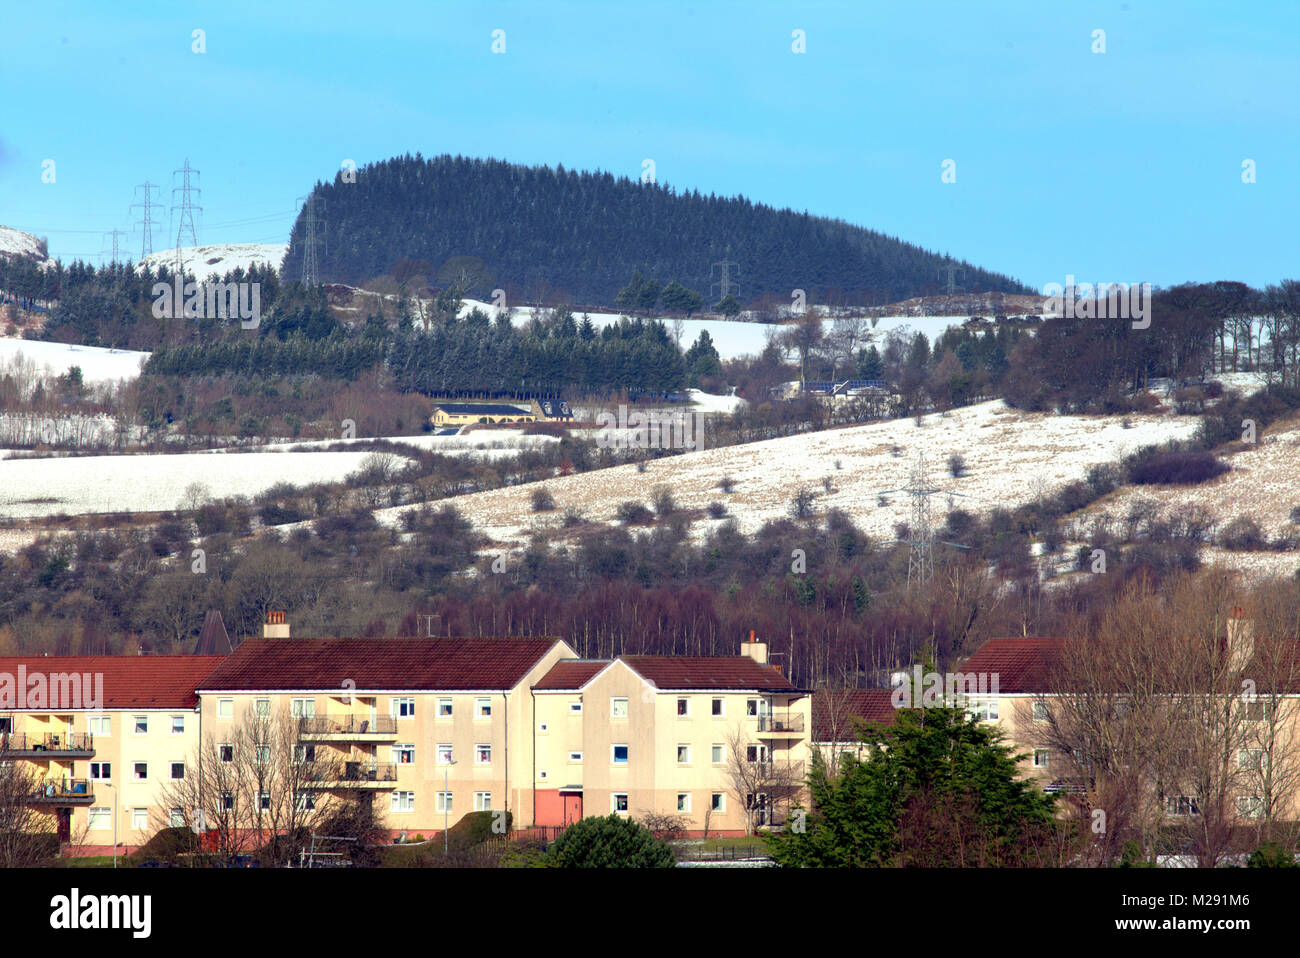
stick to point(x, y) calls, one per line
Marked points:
point(100, 725)
point(618, 803)
point(718, 708)
point(140, 771)
point(618, 754)
point(100, 818)
point(306, 801)
point(718, 802)
point(719, 754)
point(541, 775)
point(683, 755)
point(755, 753)
point(1181, 805)
point(139, 818)
point(751, 707)
point(7, 725)
point(444, 802)
point(226, 754)
point(403, 754)
point(303, 708)
point(618, 708)
point(444, 708)
point(482, 801)
point(575, 756)
point(1250, 806)
point(303, 754)
point(262, 708)
point(1040, 711)
point(443, 753)
point(178, 724)
point(1259, 710)
point(101, 771)
point(684, 707)
point(178, 771)
point(176, 818)
point(482, 708)
point(1041, 757)
point(986, 710)
point(262, 755)
point(1253, 759)
point(225, 708)
point(543, 727)
point(141, 724)
point(227, 800)
point(264, 801)
point(403, 801)
point(403, 708)
point(683, 801)
point(575, 708)
point(482, 754)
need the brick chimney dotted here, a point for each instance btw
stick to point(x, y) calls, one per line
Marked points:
point(755, 650)
point(276, 627)
point(1241, 638)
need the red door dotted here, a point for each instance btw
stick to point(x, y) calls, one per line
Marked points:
point(65, 824)
point(572, 807)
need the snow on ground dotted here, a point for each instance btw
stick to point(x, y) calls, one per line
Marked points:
point(707, 402)
point(488, 443)
point(219, 258)
point(18, 243)
point(733, 338)
point(1012, 457)
point(97, 363)
point(91, 484)
point(1264, 484)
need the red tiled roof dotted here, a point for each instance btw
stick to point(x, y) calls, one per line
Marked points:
point(1021, 665)
point(707, 672)
point(129, 681)
point(570, 674)
point(373, 664)
point(833, 710)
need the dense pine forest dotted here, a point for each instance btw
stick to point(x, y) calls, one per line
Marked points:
point(555, 235)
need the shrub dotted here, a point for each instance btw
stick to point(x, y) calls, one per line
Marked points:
point(609, 842)
point(716, 510)
point(572, 517)
point(543, 501)
point(1242, 534)
point(1176, 468)
point(801, 504)
point(633, 513)
point(1295, 514)
point(477, 827)
point(957, 465)
point(726, 483)
point(663, 501)
point(273, 514)
point(665, 826)
point(1272, 855)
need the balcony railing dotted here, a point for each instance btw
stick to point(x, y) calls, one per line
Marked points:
point(65, 790)
point(348, 726)
point(781, 723)
point(61, 742)
point(788, 773)
point(354, 774)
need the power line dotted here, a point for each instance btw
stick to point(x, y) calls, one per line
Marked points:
point(115, 257)
point(725, 284)
point(920, 557)
point(310, 263)
point(187, 211)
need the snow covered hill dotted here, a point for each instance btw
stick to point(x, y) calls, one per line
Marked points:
point(17, 243)
point(220, 258)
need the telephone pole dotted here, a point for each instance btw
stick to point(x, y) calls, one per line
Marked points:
point(146, 223)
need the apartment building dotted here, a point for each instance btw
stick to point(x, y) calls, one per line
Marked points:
point(720, 742)
point(100, 734)
point(436, 727)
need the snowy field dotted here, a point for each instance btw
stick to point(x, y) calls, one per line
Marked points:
point(218, 259)
point(77, 486)
point(54, 359)
point(19, 243)
point(1011, 458)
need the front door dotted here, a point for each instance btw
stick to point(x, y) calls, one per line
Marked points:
point(64, 825)
point(572, 807)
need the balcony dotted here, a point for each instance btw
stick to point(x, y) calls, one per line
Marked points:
point(781, 726)
point(47, 745)
point(64, 791)
point(780, 773)
point(365, 775)
point(348, 728)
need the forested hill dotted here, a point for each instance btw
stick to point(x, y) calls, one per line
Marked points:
point(542, 232)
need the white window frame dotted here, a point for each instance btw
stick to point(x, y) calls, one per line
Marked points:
point(482, 709)
point(221, 746)
point(687, 759)
point(139, 819)
point(404, 753)
point(445, 802)
point(444, 754)
point(718, 754)
point(1250, 806)
point(175, 719)
point(407, 703)
point(614, 711)
point(718, 801)
point(101, 771)
point(1042, 758)
point(225, 708)
point(176, 818)
point(683, 700)
point(262, 708)
point(171, 771)
point(482, 801)
point(262, 754)
point(613, 754)
point(135, 772)
point(99, 817)
point(613, 803)
point(1041, 713)
point(684, 807)
point(402, 802)
point(480, 750)
point(446, 709)
point(718, 707)
point(575, 758)
point(100, 725)
point(302, 707)
point(575, 708)
point(136, 721)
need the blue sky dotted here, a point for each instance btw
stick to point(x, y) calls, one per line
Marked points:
point(1121, 166)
